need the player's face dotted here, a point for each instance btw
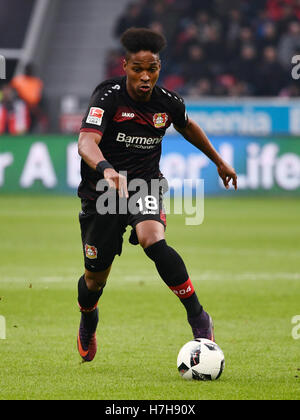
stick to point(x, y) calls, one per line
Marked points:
point(142, 70)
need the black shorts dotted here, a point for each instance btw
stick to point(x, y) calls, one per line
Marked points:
point(102, 234)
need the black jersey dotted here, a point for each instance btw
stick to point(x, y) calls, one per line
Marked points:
point(131, 131)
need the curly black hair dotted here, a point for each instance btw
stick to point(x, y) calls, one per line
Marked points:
point(143, 39)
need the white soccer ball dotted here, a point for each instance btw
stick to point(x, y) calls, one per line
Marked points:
point(201, 359)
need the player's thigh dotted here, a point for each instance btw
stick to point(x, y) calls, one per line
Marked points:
point(149, 232)
point(149, 222)
point(102, 238)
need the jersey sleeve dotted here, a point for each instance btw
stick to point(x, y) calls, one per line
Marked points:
point(100, 111)
point(178, 111)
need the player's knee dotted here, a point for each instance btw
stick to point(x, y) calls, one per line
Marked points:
point(149, 232)
point(146, 241)
point(96, 281)
point(149, 237)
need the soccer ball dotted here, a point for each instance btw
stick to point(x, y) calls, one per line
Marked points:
point(201, 359)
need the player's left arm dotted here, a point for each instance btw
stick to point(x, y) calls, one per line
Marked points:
point(196, 136)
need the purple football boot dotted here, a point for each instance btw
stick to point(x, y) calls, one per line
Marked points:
point(202, 326)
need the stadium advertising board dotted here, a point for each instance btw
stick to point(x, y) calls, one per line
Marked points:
point(50, 164)
point(251, 117)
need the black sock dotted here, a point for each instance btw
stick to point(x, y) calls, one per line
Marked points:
point(88, 301)
point(172, 270)
point(192, 305)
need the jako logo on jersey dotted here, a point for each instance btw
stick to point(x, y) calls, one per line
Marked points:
point(128, 115)
point(95, 116)
point(91, 252)
point(160, 120)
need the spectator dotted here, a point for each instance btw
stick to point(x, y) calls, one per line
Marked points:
point(202, 87)
point(188, 36)
point(246, 36)
point(114, 64)
point(30, 89)
point(195, 67)
point(289, 44)
point(268, 36)
point(134, 15)
point(157, 26)
point(245, 68)
point(14, 114)
point(163, 12)
point(232, 25)
point(214, 48)
point(287, 16)
point(203, 22)
point(271, 74)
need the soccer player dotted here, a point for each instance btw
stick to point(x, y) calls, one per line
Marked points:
point(122, 131)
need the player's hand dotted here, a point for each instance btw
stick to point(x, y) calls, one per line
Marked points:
point(227, 173)
point(116, 181)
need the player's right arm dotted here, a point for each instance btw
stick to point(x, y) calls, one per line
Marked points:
point(94, 124)
point(88, 149)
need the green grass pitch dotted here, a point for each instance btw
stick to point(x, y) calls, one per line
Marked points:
point(243, 261)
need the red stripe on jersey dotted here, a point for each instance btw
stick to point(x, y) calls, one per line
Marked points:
point(91, 130)
point(184, 290)
point(128, 114)
point(147, 118)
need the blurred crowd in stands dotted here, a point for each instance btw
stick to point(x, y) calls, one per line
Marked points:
point(225, 48)
point(21, 104)
point(219, 48)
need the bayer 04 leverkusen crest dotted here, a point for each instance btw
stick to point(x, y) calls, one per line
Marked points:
point(160, 120)
point(91, 252)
